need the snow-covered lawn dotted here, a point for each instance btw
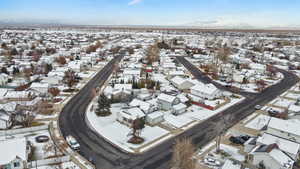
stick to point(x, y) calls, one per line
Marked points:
point(196, 113)
point(117, 133)
point(283, 102)
point(177, 121)
point(233, 152)
point(259, 122)
point(293, 95)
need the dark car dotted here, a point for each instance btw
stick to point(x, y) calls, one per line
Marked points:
point(237, 140)
point(245, 137)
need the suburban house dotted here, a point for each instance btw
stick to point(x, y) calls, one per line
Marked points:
point(206, 91)
point(155, 118)
point(231, 165)
point(284, 129)
point(271, 157)
point(40, 87)
point(3, 79)
point(166, 102)
point(289, 147)
point(5, 120)
point(119, 91)
point(181, 83)
point(128, 115)
point(259, 68)
point(145, 106)
point(16, 154)
point(179, 108)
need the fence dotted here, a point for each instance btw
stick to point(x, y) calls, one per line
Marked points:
point(23, 130)
point(50, 161)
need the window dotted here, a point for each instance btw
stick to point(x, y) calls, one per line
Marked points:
point(16, 164)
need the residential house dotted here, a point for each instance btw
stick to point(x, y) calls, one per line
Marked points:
point(206, 91)
point(5, 120)
point(284, 129)
point(155, 118)
point(181, 83)
point(3, 79)
point(128, 115)
point(16, 154)
point(259, 68)
point(289, 147)
point(146, 107)
point(40, 87)
point(231, 165)
point(271, 157)
point(179, 108)
point(166, 102)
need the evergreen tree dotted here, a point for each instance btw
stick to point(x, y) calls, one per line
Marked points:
point(103, 106)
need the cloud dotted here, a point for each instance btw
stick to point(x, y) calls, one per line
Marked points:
point(133, 2)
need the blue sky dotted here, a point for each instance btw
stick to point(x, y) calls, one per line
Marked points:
point(154, 12)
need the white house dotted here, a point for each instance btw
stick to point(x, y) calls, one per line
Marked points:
point(289, 147)
point(237, 77)
point(40, 87)
point(5, 120)
point(16, 153)
point(155, 118)
point(145, 106)
point(166, 102)
point(179, 108)
point(284, 129)
point(259, 68)
point(206, 91)
point(231, 165)
point(271, 157)
point(181, 83)
point(294, 108)
point(127, 116)
point(3, 79)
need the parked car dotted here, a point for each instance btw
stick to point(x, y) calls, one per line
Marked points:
point(245, 137)
point(237, 140)
point(73, 143)
point(258, 107)
point(212, 162)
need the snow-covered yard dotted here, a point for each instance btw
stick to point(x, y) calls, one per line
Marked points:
point(283, 102)
point(118, 134)
point(259, 122)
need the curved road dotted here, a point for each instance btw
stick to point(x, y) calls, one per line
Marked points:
point(106, 156)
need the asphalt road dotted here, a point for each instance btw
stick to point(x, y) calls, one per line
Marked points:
point(106, 156)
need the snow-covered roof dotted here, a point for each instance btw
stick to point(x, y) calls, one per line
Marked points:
point(182, 98)
point(205, 88)
point(132, 113)
point(294, 108)
point(155, 115)
point(230, 165)
point(39, 85)
point(179, 106)
point(166, 98)
point(285, 125)
point(283, 159)
point(283, 144)
point(13, 148)
point(123, 86)
point(178, 80)
point(142, 105)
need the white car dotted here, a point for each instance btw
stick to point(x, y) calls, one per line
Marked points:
point(73, 143)
point(212, 162)
point(258, 107)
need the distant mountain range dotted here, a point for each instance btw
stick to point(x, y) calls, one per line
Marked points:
point(213, 24)
point(231, 24)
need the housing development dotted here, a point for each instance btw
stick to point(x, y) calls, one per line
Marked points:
point(149, 99)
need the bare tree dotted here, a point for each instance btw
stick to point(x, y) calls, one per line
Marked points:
point(152, 54)
point(183, 153)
